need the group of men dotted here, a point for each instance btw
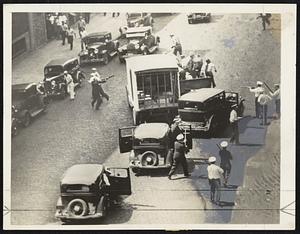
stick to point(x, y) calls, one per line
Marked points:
point(178, 149)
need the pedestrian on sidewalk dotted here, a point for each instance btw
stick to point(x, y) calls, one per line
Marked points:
point(265, 17)
point(214, 174)
point(71, 36)
point(257, 91)
point(64, 31)
point(276, 95)
point(70, 85)
point(226, 157)
point(263, 100)
point(208, 70)
point(233, 120)
point(180, 149)
point(81, 26)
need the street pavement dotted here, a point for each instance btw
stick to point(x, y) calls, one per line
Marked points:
point(71, 132)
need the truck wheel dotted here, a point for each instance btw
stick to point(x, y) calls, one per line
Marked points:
point(27, 120)
point(105, 59)
point(77, 207)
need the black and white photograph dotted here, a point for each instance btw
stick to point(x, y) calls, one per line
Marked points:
point(149, 116)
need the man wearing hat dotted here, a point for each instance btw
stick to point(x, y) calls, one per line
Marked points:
point(209, 68)
point(226, 157)
point(176, 45)
point(276, 95)
point(214, 174)
point(179, 156)
point(257, 91)
point(190, 66)
point(263, 100)
point(70, 85)
point(97, 91)
point(233, 120)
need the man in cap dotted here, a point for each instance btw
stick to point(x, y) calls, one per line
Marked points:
point(208, 70)
point(226, 157)
point(176, 45)
point(179, 156)
point(233, 120)
point(97, 91)
point(70, 85)
point(214, 174)
point(263, 100)
point(257, 91)
point(276, 95)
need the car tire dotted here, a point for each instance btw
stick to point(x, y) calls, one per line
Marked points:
point(27, 120)
point(135, 170)
point(145, 52)
point(80, 202)
point(190, 21)
point(149, 158)
point(105, 59)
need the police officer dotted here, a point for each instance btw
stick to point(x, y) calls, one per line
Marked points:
point(214, 174)
point(257, 91)
point(226, 157)
point(263, 100)
point(276, 95)
point(70, 85)
point(97, 91)
point(179, 156)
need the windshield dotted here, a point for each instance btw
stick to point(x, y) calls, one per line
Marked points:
point(53, 71)
point(91, 40)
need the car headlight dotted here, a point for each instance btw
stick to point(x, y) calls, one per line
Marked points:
point(137, 46)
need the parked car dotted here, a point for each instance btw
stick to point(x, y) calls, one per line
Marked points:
point(26, 104)
point(54, 82)
point(153, 87)
point(137, 43)
point(199, 17)
point(99, 47)
point(139, 19)
point(207, 109)
point(87, 190)
point(148, 144)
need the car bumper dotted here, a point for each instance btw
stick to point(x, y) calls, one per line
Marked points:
point(132, 165)
point(59, 215)
point(200, 18)
point(195, 127)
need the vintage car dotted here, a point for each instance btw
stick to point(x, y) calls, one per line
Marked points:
point(137, 43)
point(86, 191)
point(149, 144)
point(198, 17)
point(207, 109)
point(99, 47)
point(139, 19)
point(153, 87)
point(54, 82)
point(27, 103)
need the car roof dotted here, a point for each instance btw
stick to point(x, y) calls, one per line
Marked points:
point(85, 174)
point(200, 95)
point(151, 130)
point(151, 62)
point(59, 62)
point(22, 86)
point(97, 34)
point(138, 29)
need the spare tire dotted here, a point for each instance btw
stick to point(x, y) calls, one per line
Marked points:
point(149, 158)
point(77, 208)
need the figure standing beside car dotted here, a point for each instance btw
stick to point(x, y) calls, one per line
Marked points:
point(70, 85)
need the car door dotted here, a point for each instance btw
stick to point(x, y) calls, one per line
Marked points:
point(119, 179)
point(126, 139)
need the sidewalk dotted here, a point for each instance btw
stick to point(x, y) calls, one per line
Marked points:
point(29, 68)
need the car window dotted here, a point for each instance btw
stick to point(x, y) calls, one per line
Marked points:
point(108, 36)
point(91, 40)
point(53, 71)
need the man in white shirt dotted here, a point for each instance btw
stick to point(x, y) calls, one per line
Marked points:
point(233, 119)
point(214, 174)
point(176, 45)
point(276, 96)
point(208, 70)
point(257, 91)
point(263, 100)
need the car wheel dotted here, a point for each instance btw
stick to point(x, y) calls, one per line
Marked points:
point(190, 21)
point(145, 52)
point(27, 120)
point(77, 207)
point(105, 59)
point(149, 158)
point(135, 170)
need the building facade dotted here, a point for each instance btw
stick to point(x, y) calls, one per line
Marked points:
point(28, 32)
